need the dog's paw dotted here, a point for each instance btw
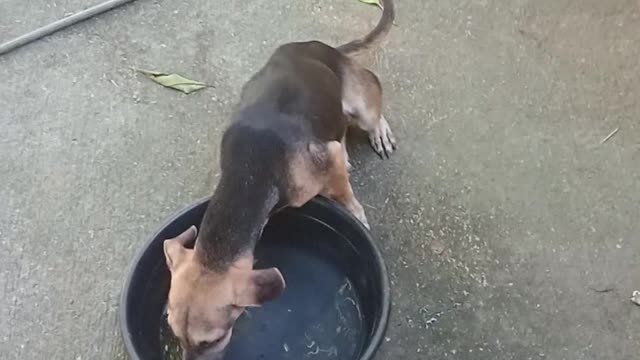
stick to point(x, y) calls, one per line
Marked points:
point(349, 166)
point(382, 139)
point(358, 211)
point(363, 219)
point(365, 222)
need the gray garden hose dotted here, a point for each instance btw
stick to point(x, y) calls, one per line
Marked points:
point(60, 24)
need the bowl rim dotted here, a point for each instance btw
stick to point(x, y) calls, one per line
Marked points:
point(384, 313)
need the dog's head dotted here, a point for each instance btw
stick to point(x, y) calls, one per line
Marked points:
point(204, 304)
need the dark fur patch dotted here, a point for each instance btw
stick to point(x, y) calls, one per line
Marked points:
point(294, 100)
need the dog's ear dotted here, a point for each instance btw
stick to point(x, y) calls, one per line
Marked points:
point(187, 236)
point(174, 249)
point(258, 286)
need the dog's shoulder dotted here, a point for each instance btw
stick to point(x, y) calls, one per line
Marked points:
point(260, 138)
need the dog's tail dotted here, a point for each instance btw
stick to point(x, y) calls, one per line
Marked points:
point(376, 35)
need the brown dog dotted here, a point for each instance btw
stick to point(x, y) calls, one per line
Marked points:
point(286, 144)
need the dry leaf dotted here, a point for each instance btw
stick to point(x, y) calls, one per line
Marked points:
point(372, 2)
point(175, 81)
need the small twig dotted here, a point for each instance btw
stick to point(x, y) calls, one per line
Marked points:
point(605, 290)
point(609, 136)
point(370, 206)
point(315, 352)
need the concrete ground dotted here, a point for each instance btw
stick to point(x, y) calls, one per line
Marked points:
point(509, 230)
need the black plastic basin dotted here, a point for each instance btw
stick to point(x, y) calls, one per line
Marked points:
point(335, 306)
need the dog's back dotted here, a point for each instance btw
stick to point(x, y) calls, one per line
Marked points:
point(299, 87)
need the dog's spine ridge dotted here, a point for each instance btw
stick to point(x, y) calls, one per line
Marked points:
point(376, 35)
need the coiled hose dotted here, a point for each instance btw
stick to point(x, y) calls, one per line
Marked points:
point(60, 24)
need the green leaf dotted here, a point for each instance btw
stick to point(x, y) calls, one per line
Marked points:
point(372, 2)
point(174, 81)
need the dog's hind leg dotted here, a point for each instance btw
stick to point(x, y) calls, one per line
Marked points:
point(362, 102)
point(343, 143)
point(322, 169)
point(336, 181)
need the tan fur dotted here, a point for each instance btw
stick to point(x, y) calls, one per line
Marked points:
point(362, 103)
point(323, 170)
point(336, 182)
point(205, 294)
point(361, 95)
point(304, 183)
point(204, 304)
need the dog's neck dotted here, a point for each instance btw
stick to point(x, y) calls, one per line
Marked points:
point(233, 222)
